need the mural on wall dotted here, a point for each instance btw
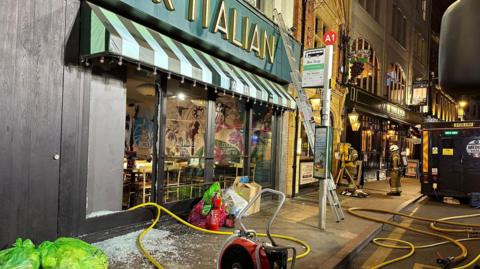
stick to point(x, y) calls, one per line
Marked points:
point(230, 131)
point(139, 129)
point(185, 128)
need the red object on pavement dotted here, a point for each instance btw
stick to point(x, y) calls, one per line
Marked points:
point(213, 219)
point(216, 201)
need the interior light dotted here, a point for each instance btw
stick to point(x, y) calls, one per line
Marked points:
point(181, 96)
point(169, 75)
point(194, 83)
point(120, 61)
point(206, 87)
point(154, 71)
point(139, 67)
point(183, 80)
point(102, 60)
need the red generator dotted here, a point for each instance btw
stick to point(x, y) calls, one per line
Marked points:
point(243, 250)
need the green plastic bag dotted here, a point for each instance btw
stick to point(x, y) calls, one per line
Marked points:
point(22, 255)
point(208, 196)
point(71, 253)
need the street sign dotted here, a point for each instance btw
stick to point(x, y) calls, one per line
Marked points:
point(420, 93)
point(330, 38)
point(313, 68)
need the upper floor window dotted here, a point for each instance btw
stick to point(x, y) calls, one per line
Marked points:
point(399, 26)
point(320, 30)
point(255, 3)
point(420, 48)
point(372, 7)
point(396, 84)
point(422, 9)
point(363, 53)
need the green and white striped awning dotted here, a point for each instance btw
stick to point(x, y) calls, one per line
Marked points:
point(106, 33)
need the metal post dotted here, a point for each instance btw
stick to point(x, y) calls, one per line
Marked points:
point(325, 122)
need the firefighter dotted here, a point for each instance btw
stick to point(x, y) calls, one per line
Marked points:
point(395, 171)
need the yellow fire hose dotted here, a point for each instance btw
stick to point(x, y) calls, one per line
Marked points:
point(177, 218)
point(407, 245)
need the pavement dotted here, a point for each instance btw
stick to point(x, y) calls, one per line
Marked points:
point(335, 247)
point(423, 258)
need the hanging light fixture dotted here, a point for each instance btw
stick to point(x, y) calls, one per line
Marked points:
point(194, 83)
point(169, 75)
point(154, 71)
point(356, 126)
point(120, 61)
point(206, 87)
point(183, 80)
point(139, 67)
point(102, 60)
point(353, 118)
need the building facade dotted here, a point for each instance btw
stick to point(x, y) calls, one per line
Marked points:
point(312, 19)
point(120, 102)
point(390, 68)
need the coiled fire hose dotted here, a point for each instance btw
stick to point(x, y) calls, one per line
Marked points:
point(446, 262)
point(177, 218)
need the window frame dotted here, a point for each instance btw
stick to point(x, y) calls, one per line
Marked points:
point(372, 82)
point(74, 221)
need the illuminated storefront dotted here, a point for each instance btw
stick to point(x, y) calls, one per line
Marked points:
point(187, 95)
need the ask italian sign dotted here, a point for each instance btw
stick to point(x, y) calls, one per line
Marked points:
point(231, 29)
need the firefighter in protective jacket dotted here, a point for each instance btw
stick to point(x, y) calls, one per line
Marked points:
point(395, 171)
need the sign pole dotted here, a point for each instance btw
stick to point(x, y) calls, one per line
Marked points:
point(327, 93)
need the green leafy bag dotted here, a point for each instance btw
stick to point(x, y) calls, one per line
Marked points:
point(71, 253)
point(22, 255)
point(208, 196)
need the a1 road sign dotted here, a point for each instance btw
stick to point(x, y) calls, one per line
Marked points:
point(330, 38)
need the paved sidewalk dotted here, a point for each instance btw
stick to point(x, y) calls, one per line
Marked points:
point(183, 248)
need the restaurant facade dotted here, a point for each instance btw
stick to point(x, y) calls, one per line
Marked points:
point(127, 102)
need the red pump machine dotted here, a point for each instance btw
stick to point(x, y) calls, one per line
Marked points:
point(243, 250)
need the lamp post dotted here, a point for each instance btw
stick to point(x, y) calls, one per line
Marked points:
point(353, 118)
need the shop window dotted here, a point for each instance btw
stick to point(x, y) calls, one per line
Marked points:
point(396, 84)
point(186, 115)
point(120, 144)
point(261, 146)
point(229, 150)
point(364, 54)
